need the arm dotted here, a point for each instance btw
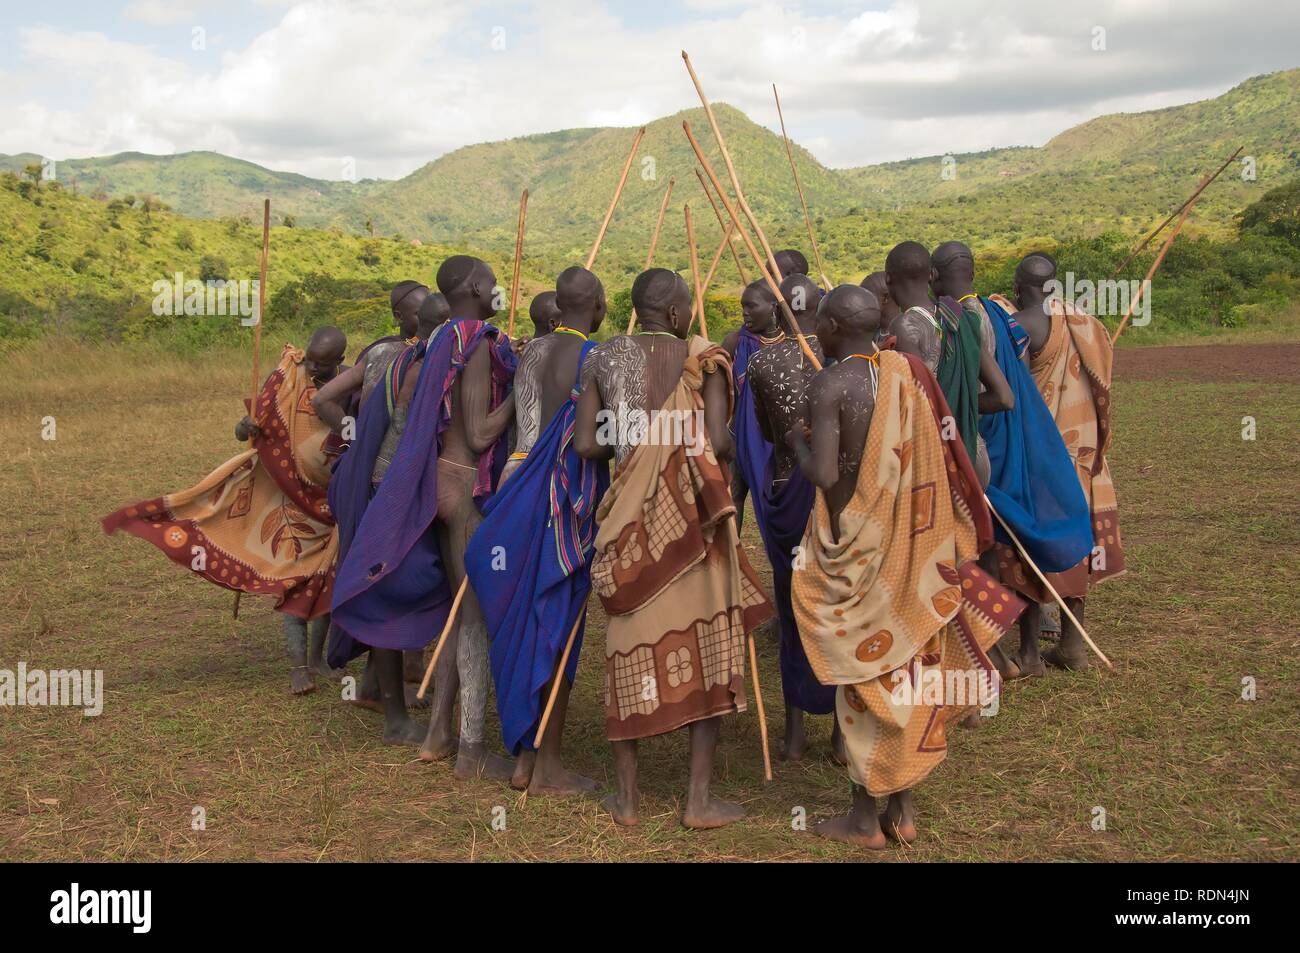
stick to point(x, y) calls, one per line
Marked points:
point(716, 399)
point(482, 427)
point(760, 411)
point(585, 426)
point(247, 427)
point(729, 342)
point(820, 462)
point(330, 402)
point(997, 392)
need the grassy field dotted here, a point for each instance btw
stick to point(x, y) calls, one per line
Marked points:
point(197, 711)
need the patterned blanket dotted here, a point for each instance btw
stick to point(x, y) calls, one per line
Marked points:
point(259, 523)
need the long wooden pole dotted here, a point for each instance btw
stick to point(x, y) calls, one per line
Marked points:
point(1024, 554)
point(753, 252)
point(695, 273)
point(731, 170)
point(257, 335)
point(1204, 184)
point(758, 703)
point(654, 243)
point(555, 682)
point(717, 257)
point(519, 254)
point(789, 152)
point(627, 167)
point(1155, 265)
point(740, 266)
point(442, 639)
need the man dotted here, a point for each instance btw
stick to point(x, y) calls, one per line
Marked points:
point(1070, 359)
point(886, 600)
point(778, 378)
point(260, 522)
point(679, 593)
point(759, 328)
point(396, 582)
point(357, 382)
point(373, 435)
point(545, 313)
point(790, 262)
point(529, 561)
point(946, 336)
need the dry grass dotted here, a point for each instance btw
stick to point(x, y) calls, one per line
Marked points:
point(197, 710)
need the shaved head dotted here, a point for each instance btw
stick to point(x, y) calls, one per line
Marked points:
point(544, 312)
point(791, 262)
point(661, 296)
point(324, 353)
point(433, 312)
point(1036, 270)
point(854, 308)
point(577, 289)
point(954, 262)
point(327, 340)
point(470, 287)
point(803, 294)
point(908, 261)
point(460, 270)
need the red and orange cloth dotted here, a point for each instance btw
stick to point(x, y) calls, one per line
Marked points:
point(260, 523)
point(897, 596)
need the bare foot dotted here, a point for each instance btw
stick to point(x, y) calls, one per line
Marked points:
point(413, 699)
point(475, 761)
point(847, 831)
point(523, 770)
point(322, 669)
point(300, 682)
point(901, 829)
point(560, 782)
point(712, 814)
point(972, 720)
point(625, 814)
point(439, 744)
point(370, 704)
point(404, 732)
point(795, 743)
point(1070, 661)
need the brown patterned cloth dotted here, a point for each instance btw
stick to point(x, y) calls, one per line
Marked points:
point(259, 523)
point(669, 569)
point(898, 596)
point(1073, 373)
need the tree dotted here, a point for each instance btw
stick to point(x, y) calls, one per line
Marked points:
point(290, 221)
point(1276, 213)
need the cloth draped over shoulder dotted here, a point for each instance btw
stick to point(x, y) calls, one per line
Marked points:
point(1032, 482)
point(392, 589)
point(529, 565)
point(897, 599)
point(959, 368)
point(679, 592)
point(752, 449)
point(350, 488)
point(260, 523)
point(1073, 374)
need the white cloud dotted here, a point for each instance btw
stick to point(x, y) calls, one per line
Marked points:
point(395, 83)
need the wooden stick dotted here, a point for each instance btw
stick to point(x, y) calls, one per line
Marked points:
point(627, 167)
point(758, 703)
point(731, 170)
point(257, 337)
point(1161, 227)
point(659, 224)
point(789, 152)
point(654, 243)
point(442, 639)
point(555, 682)
point(1164, 250)
point(519, 254)
point(758, 259)
point(1024, 555)
point(695, 274)
point(740, 267)
point(722, 247)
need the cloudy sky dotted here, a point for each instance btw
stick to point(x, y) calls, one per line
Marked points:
point(301, 85)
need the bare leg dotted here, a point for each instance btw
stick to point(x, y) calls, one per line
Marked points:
point(295, 638)
point(625, 803)
point(860, 827)
point(703, 810)
point(899, 819)
point(316, 664)
point(440, 741)
point(368, 688)
point(413, 675)
point(1006, 666)
point(838, 754)
point(399, 727)
point(1071, 653)
point(523, 769)
point(795, 743)
point(549, 776)
point(1031, 625)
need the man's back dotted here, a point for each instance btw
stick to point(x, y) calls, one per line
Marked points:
point(779, 375)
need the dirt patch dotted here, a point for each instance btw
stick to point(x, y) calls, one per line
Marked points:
point(1209, 363)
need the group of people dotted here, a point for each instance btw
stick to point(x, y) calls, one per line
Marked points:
point(453, 489)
